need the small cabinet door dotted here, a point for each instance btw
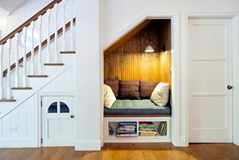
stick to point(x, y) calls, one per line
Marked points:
point(58, 121)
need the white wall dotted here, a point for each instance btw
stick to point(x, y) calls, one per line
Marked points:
point(117, 15)
point(25, 117)
point(87, 76)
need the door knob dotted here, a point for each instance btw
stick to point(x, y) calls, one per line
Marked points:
point(229, 87)
point(72, 116)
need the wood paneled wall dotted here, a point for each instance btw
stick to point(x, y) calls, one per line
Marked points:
point(130, 62)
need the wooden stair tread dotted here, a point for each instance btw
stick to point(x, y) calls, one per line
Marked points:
point(68, 52)
point(53, 64)
point(7, 100)
point(21, 88)
point(37, 76)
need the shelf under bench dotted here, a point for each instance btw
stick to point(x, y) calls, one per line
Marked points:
point(113, 121)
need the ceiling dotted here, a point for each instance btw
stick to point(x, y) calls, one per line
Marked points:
point(10, 5)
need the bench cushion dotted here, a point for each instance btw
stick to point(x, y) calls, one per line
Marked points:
point(136, 107)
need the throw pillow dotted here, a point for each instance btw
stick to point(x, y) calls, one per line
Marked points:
point(146, 88)
point(114, 85)
point(160, 94)
point(129, 89)
point(109, 97)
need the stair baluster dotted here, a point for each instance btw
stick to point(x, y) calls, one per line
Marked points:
point(56, 35)
point(8, 69)
point(5, 91)
point(40, 47)
point(16, 60)
point(64, 26)
point(71, 34)
point(32, 51)
point(24, 76)
point(1, 72)
point(48, 36)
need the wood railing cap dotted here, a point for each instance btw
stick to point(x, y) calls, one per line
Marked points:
point(28, 22)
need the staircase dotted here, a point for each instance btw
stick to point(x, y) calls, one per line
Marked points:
point(40, 65)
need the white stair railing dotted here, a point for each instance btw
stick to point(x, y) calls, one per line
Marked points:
point(39, 45)
point(24, 76)
point(32, 51)
point(49, 35)
point(64, 26)
point(20, 34)
point(56, 35)
point(71, 42)
point(1, 72)
point(16, 60)
point(8, 69)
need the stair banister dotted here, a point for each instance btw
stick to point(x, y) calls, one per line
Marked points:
point(1, 72)
point(56, 35)
point(24, 76)
point(32, 49)
point(27, 23)
point(49, 36)
point(16, 60)
point(47, 41)
point(71, 41)
point(40, 46)
point(8, 68)
point(64, 28)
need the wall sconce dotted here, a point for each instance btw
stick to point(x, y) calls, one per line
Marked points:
point(150, 48)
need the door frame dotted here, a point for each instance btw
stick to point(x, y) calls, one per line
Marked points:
point(176, 90)
point(38, 104)
point(235, 71)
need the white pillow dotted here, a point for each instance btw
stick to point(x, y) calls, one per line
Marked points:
point(160, 94)
point(109, 97)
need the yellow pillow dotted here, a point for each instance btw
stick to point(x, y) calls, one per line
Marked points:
point(109, 97)
point(160, 94)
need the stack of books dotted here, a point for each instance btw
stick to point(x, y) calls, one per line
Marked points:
point(127, 129)
point(147, 129)
point(163, 128)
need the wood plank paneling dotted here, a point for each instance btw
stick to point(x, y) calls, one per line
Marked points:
point(130, 62)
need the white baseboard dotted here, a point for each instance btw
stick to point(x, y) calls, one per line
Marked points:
point(84, 145)
point(182, 142)
point(19, 143)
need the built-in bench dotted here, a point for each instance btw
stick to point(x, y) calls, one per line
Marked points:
point(136, 108)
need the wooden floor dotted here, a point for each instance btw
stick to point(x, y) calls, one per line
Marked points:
point(143, 151)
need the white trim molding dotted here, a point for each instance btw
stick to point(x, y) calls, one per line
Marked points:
point(176, 69)
point(88, 145)
point(18, 143)
point(235, 65)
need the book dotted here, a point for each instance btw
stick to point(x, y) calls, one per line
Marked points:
point(128, 123)
point(165, 128)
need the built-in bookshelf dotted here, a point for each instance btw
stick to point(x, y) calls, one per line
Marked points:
point(162, 125)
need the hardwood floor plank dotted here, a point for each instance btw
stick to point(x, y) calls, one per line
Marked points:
point(127, 151)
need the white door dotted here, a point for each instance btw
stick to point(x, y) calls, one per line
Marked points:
point(58, 121)
point(210, 72)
